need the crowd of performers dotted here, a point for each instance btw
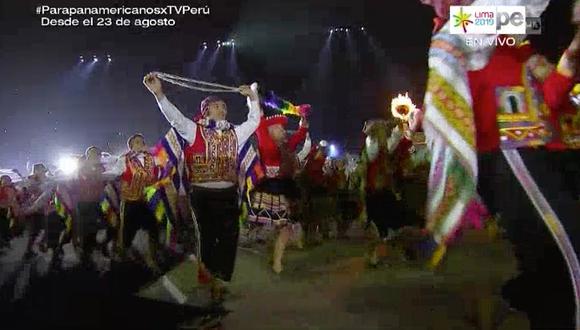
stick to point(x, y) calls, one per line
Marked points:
point(207, 180)
point(498, 137)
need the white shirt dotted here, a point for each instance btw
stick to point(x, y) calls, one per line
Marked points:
point(187, 128)
point(305, 149)
point(120, 166)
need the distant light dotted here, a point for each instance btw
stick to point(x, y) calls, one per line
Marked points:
point(109, 59)
point(331, 30)
point(346, 30)
point(362, 28)
point(68, 165)
point(333, 151)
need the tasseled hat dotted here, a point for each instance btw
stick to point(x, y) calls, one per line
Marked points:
point(271, 116)
point(265, 122)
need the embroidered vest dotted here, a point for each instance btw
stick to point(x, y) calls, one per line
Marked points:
point(522, 116)
point(136, 177)
point(213, 156)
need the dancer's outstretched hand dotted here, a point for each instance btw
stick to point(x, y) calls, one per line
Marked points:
point(153, 84)
point(248, 92)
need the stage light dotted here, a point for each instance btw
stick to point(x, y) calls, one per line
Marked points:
point(332, 151)
point(68, 165)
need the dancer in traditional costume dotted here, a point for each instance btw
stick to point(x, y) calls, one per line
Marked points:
point(315, 197)
point(346, 198)
point(377, 170)
point(9, 208)
point(137, 170)
point(211, 156)
point(39, 210)
point(411, 158)
point(90, 186)
point(487, 121)
point(273, 201)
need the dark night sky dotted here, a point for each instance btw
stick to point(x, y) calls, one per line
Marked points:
point(50, 106)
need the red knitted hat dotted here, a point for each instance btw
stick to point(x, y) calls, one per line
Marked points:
point(204, 106)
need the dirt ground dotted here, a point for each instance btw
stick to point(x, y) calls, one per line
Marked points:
point(330, 287)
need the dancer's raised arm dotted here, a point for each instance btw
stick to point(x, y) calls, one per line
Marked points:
point(184, 126)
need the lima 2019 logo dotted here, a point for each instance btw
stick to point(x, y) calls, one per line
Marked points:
point(507, 20)
point(462, 19)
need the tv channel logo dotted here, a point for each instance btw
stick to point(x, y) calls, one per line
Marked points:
point(488, 20)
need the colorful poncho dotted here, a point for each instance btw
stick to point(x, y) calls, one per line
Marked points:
point(449, 124)
point(450, 130)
